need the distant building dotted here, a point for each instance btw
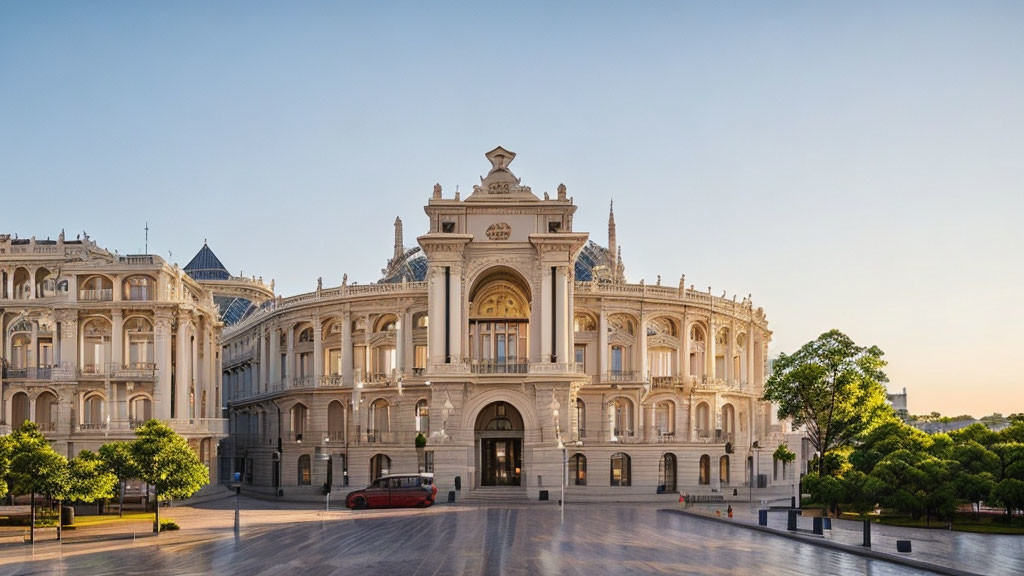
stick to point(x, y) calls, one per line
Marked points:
point(93, 343)
point(898, 401)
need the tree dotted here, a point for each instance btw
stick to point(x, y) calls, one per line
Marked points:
point(974, 488)
point(118, 460)
point(862, 492)
point(832, 386)
point(1010, 492)
point(6, 447)
point(84, 478)
point(35, 467)
point(165, 461)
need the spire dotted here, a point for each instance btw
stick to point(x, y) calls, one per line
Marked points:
point(399, 247)
point(611, 232)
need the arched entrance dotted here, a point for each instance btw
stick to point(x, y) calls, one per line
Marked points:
point(499, 441)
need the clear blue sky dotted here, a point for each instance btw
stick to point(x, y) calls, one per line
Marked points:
point(853, 166)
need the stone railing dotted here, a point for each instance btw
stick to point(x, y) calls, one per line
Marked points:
point(672, 381)
point(102, 295)
point(687, 296)
point(556, 368)
point(621, 376)
point(512, 366)
point(218, 426)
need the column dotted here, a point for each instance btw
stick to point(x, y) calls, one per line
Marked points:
point(435, 313)
point(750, 356)
point(400, 342)
point(10, 284)
point(456, 313)
point(182, 368)
point(692, 428)
point(213, 374)
point(652, 433)
point(274, 378)
point(642, 363)
point(730, 347)
point(347, 364)
point(563, 324)
point(69, 339)
point(318, 349)
point(32, 294)
point(709, 353)
point(685, 352)
point(194, 400)
point(289, 366)
point(409, 358)
point(263, 362)
point(602, 343)
point(117, 353)
point(546, 345)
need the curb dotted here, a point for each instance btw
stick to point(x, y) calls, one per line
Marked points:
point(815, 541)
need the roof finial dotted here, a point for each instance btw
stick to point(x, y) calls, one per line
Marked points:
point(612, 249)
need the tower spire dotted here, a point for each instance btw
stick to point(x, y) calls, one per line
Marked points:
point(399, 246)
point(611, 233)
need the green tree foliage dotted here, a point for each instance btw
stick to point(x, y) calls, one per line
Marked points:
point(1009, 492)
point(119, 461)
point(783, 454)
point(6, 447)
point(83, 479)
point(974, 488)
point(832, 386)
point(165, 461)
point(35, 467)
point(862, 492)
point(977, 432)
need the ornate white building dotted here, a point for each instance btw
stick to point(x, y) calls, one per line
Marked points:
point(94, 343)
point(504, 337)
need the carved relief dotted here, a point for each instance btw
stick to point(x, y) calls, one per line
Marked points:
point(499, 231)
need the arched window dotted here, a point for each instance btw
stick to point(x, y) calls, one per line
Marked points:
point(583, 322)
point(421, 320)
point(703, 423)
point(665, 417)
point(581, 419)
point(138, 342)
point(19, 408)
point(728, 422)
point(141, 410)
point(422, 417)
point(46, 411)
point(578, 469)
point(92, 415)
point(304, 475)
point(667, 473)
point(380, 464)
point(723, 470)
point(621, 413)
point(298, 421)
point(620, 469)
point(380, 420)
point(306, 335)
point(499, 316)
point(336, 421)
point(704, 476)
point(139, 288)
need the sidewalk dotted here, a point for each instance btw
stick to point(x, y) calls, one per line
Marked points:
point(940, 551)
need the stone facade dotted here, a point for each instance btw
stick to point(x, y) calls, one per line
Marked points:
point(94, 343)
point(511, 342)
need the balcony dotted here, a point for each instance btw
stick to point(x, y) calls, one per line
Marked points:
point(556, 368)
point(200, 426)
point(621, 376)
point(378, 437)
point(670, 381)
point(135, 370)
point(101, 295)
point(511, 366)
point(30, 373)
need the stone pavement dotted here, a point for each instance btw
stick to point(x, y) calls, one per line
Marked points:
point(990, 554)
point(289, 538)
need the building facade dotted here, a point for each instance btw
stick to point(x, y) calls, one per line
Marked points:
point(515, 346)
point(95, 343)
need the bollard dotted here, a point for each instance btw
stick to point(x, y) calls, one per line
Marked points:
point(451, 496)
point(903, 546)
point(791, 523)
point(762, 517)
point(544, 495)
point(816, 525)
point(867, 534)
point(828, 523)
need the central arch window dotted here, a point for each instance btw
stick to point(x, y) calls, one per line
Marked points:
point(499, 324)
point(620, 469)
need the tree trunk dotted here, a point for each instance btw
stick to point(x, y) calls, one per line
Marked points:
point(120, 504)
point(156, 519)
point(32, 525)
point(60, 517)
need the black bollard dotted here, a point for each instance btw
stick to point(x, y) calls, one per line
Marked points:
point(451, 496)
point(544, 495)
point(762, 517)
point(903, 546)
point(791, 524)
point(828, 523)
point(867, 534)
point(816, 525)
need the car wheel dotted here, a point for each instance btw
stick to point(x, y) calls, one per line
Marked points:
point(359, 503)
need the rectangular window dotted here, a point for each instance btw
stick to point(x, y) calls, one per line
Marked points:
point(421, 357)
point(616, 359)
point(334, 362)
point(428, 461)
point(581, 354)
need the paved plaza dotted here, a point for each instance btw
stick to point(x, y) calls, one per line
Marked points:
point(277, 538)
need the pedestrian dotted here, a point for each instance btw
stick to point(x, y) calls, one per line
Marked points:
point(730, 510)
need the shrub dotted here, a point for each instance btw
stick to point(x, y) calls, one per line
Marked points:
point(166, 525)
point(421, 441)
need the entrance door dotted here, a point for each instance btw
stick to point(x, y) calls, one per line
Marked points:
point(502, 461)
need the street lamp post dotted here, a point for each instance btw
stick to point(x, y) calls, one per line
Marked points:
point(561, 446)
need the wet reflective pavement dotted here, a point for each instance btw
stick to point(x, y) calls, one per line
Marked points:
point(528, 539)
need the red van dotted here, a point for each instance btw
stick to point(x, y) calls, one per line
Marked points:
point(395, 491)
